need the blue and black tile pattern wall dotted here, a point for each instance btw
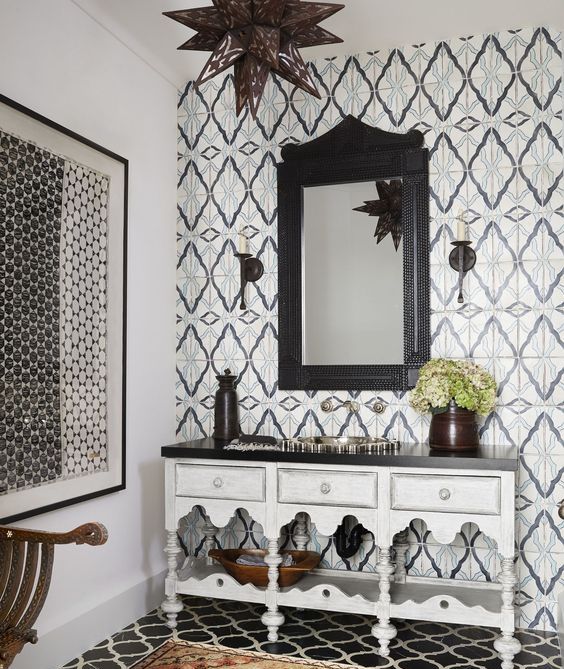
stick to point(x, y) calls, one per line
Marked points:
point(491, 110)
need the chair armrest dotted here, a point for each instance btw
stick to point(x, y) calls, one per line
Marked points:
point(94, 534)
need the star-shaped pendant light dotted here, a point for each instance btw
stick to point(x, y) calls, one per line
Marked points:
point(257, 37)
point(388, 208)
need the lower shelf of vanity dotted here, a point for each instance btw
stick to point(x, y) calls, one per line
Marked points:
point(419, 598)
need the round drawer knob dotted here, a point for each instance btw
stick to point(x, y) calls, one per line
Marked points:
point(325, 488)
point(444, 494)
point(217, 482)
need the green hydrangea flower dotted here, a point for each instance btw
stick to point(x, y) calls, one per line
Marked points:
point(463, 381)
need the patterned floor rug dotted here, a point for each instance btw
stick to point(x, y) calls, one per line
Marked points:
point(184, 655)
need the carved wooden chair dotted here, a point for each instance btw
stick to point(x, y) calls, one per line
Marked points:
point(26, 564)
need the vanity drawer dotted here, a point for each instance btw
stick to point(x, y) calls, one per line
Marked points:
point(238, 483)
point(450, 494)
point(296, 486)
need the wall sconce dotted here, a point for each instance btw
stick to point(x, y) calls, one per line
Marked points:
point(251, 268)
point(462, 258)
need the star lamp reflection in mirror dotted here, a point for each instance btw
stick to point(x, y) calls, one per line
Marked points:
point(388, 209)
point(257, 37)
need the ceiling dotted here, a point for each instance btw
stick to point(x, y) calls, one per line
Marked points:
point(364, 25)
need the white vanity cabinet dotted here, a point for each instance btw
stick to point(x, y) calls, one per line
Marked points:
point(384, 493)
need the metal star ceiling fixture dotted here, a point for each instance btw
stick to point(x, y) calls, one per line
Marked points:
point(257, 37)
point(388, 208)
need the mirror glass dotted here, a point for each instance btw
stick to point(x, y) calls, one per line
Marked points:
point(352, 286)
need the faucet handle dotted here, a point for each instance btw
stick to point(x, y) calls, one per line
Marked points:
point(326, 406)
point(561, 509)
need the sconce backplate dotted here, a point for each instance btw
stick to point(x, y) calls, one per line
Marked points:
point(468, 258)
point(254, 269)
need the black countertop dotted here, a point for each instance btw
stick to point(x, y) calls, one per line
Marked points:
point(504, 458)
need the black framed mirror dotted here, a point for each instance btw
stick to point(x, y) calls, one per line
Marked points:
point(353, 264)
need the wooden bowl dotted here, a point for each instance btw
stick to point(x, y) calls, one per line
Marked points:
point(304, 561)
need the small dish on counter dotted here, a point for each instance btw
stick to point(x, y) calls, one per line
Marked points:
point(304, 561)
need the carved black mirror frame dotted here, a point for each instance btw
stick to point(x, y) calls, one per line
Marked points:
point(351, 152)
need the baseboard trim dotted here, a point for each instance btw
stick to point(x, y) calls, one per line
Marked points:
point(64, 643)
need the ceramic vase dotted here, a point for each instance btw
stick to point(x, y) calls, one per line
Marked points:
point(454, 430)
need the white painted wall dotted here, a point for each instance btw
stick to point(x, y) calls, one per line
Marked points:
point(364, 25)
point(56, 60)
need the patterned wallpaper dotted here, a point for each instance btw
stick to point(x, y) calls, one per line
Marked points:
point(491, 110)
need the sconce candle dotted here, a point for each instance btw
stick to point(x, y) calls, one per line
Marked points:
point(462, 258)
point(243, 243)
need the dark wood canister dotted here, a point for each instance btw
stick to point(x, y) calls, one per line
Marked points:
point(226, 410)
point(454, 430)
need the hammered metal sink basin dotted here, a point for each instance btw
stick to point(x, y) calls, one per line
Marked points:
point(350, 445)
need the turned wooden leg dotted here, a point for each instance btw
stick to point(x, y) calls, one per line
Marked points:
point(272, 618)
point(172, 604)
point(384, 631)
point(301, 536)
point(210, 530)
point(400, 548)
point(507, 645)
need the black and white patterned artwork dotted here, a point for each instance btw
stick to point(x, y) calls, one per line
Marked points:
point(53, 232)
point(83, 320)
point(31, 184)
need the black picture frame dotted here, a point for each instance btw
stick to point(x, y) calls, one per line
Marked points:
point(354, 151)
point(46, 133)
